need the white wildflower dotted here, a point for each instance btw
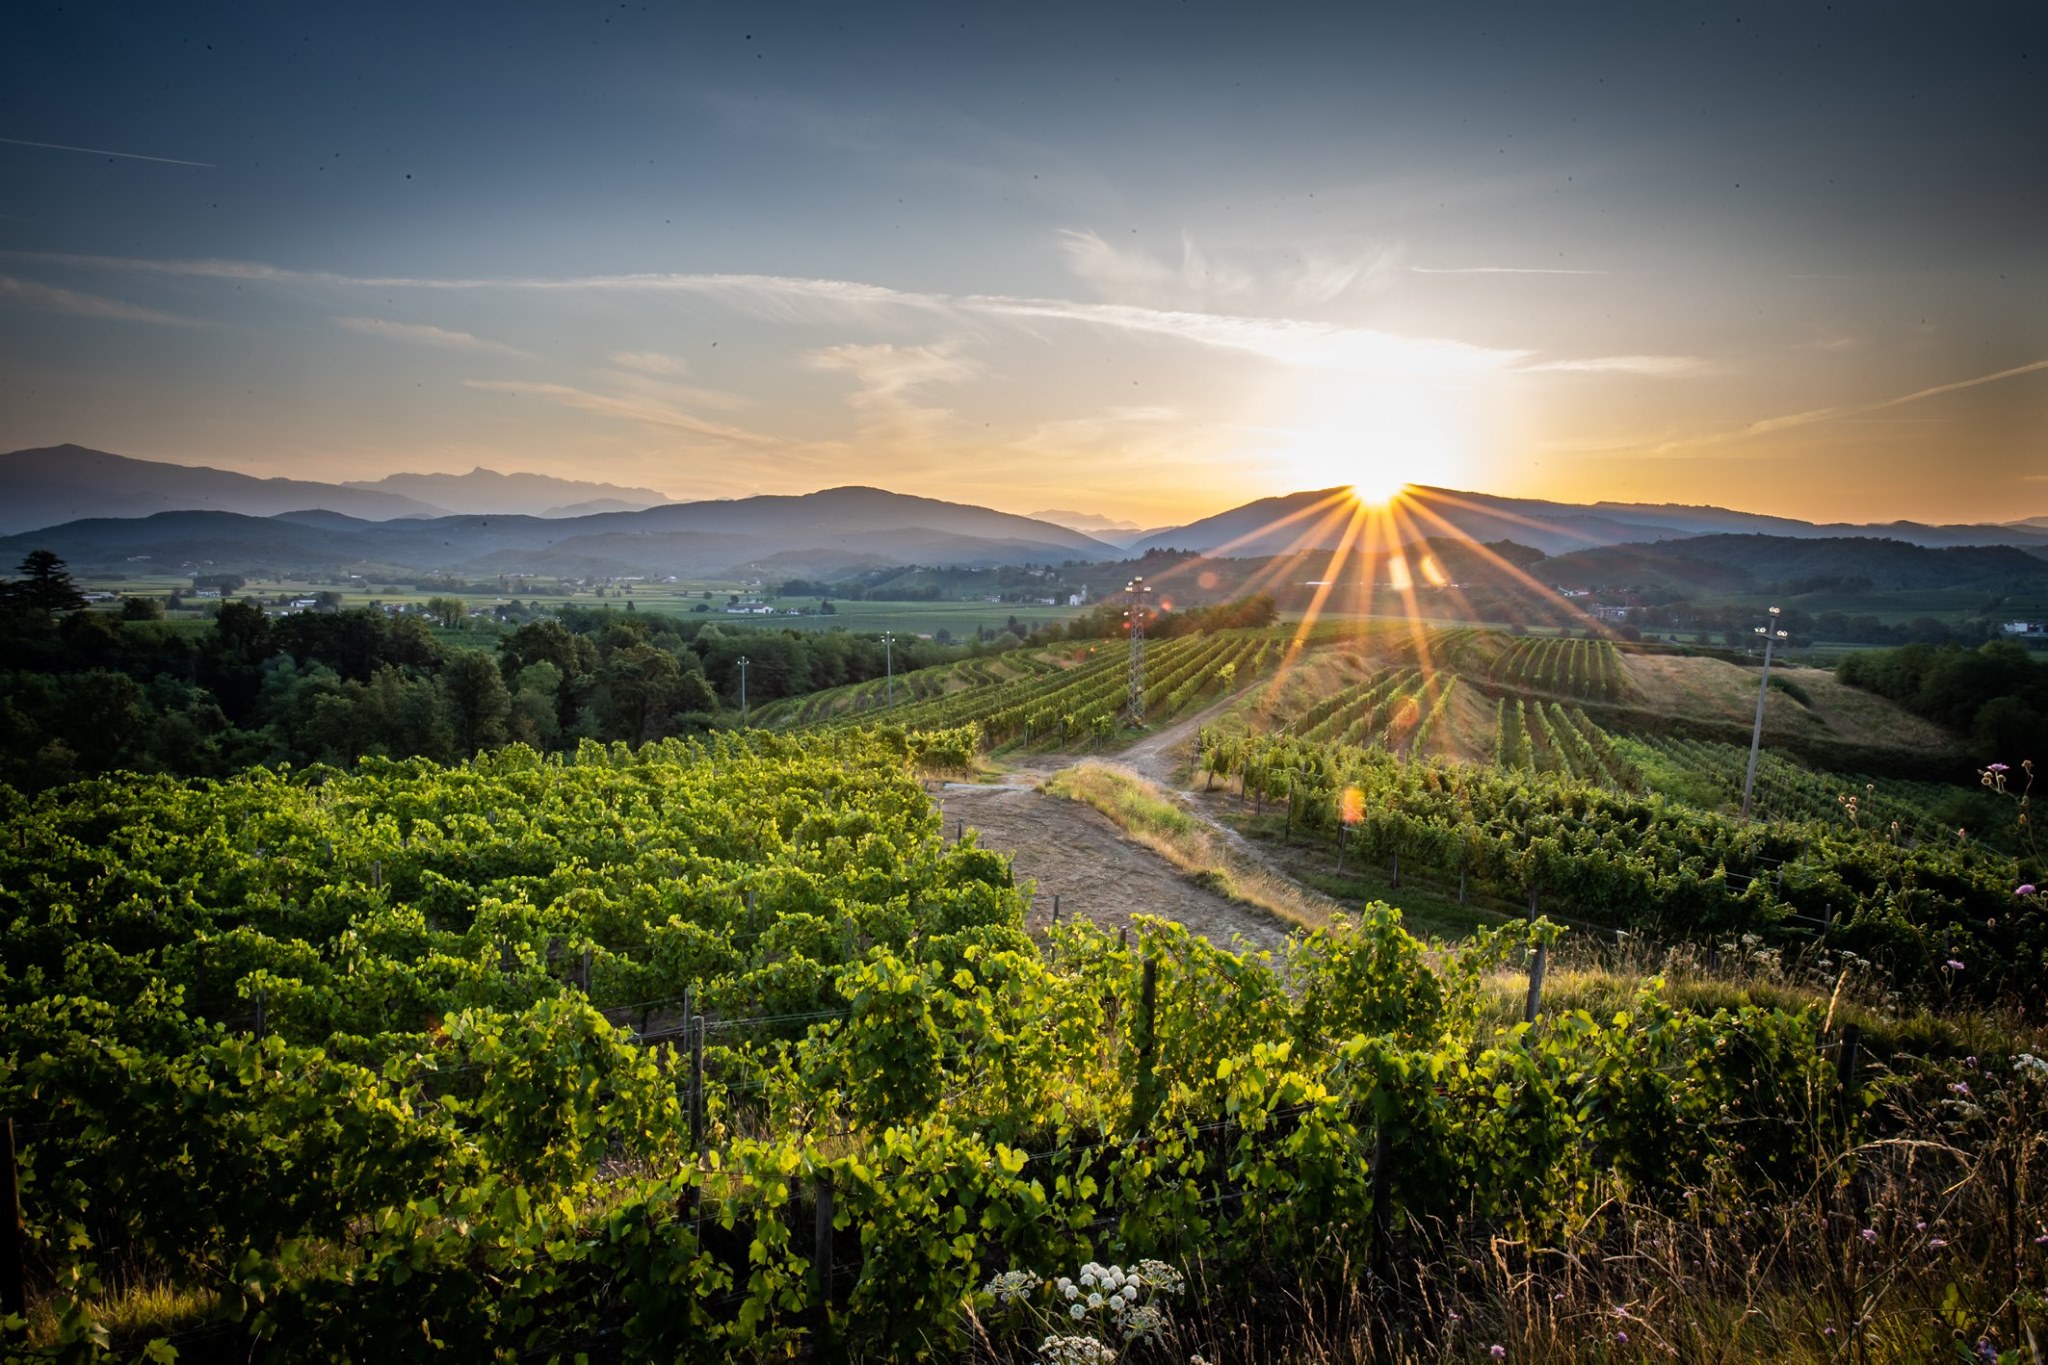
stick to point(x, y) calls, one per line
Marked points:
point(1078, 1311)
point(1162, 1276)
point(1075, 1351)
point(1095, 1300)
point(1142, 1322)
point(1012, 1286)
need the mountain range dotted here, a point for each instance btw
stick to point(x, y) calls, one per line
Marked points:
point(1280, 525)
point(533, 495)
point(180, 519)
point(828, 534)
point(54, 484)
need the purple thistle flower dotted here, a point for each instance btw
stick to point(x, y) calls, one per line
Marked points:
point(2024, 889)
point(1937, 1242)
point(1959, 1088)
point(1869, 1235)
point(1621, 1338)
point(1996, 768)
point(1497, 1352)
point(1986, 1351)
point(1954, 964)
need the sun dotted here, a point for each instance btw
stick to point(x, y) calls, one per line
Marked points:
point(1376, 440)
point(1378, 488)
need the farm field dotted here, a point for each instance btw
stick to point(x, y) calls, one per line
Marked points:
point(521, 1028)
point(502, 967)
point(960, 619)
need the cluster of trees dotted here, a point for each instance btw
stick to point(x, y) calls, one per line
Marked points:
point(89, 692)
point(1108, 619)
point(1995, 693)
point(1733, 624)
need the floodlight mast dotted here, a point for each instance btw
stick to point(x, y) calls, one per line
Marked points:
point(1134, 616)
point(1771, 635)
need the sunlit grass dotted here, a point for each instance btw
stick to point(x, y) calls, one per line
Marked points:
point(1148, 817)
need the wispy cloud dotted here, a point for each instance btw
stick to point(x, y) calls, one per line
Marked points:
point(1499, 270)
point(1767, 425)
point(1290, 341)
point(1283, 340)
point(650, 362)
point(102, 151)
point(423, 334)
point(85, 305)
point(887, 379)
point(1202, 280)
point(625, 408)
point(1663, 366)
point(775, 297)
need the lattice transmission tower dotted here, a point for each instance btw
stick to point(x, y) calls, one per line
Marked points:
point(1134, 620)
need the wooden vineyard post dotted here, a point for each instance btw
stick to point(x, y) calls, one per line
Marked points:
point(1397, 867)
point(826, 1346)
point(1055, 908)
point(13, 1254)
point(1381, 1224)
point(1538, 961)
point(261, 1021)
point(1144, 1099)
point(1845, 1067)
point(1851, 1101)
point(585, 973)
point(1461, 883)
point(697, 1085)
point(1343, 838)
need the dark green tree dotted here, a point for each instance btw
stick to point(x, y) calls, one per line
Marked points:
point(45, 584)
point(478, 701)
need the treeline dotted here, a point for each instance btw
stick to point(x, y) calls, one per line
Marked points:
point(1109, 620)
point(1734, 625)
point(92, 692)
point(1995, 694)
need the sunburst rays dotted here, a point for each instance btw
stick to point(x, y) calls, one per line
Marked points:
point(1366, 530)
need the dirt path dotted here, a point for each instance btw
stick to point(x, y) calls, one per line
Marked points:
point(1073, 851)
point(1160, 756)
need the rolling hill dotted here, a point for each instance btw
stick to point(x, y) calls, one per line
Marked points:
point(816, 532)
point(1279, 525)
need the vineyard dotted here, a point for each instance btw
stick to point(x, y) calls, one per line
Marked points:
point(1074, 698)
point(559, 1055)
point(1610, 858)
point(721, 1048)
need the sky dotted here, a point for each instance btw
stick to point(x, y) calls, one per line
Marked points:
point(1138, 259)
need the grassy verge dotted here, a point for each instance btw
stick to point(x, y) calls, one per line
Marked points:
point(1145, 815)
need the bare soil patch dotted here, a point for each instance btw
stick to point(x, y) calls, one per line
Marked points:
point(1075, 852)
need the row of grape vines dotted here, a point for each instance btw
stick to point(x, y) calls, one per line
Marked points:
point(1591, 670)
point(1712, 773)
point(1088, 699)
point(1543, 737)
point(862, 698)
point(335, 1051)
point(1615, 857)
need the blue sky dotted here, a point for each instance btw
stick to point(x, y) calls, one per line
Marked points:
point(1146, 259)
